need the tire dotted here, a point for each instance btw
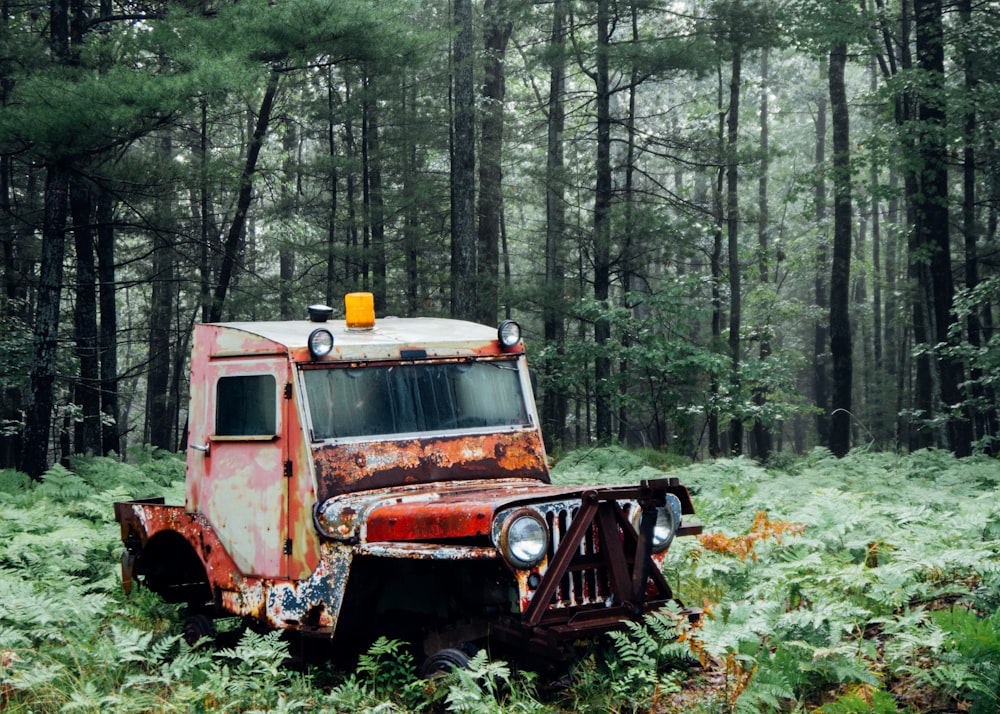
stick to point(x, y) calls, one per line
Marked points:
point(196, 628)
point(444, 661)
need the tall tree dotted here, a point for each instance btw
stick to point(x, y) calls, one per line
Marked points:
point(497, 27)
point(840, 275)
point(39, 403)
point(554, 402)
point(601, 254)
point(374, 196)
point(110, 416)
point(463, 167)
point(87, 388)
point(233, 245)
point(821, 380)
point(931, 242)
point(733, 224)
point(763, 440)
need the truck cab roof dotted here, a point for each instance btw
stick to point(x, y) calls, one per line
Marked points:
point(391, 338)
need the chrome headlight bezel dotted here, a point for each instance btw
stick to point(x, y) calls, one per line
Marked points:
point(320, 343)
point(508, 334)
point(522, 538)
point(665, 528)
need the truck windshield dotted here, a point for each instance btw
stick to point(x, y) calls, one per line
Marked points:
point(415, 398)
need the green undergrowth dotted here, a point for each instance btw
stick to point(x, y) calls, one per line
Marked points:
point(864, 584)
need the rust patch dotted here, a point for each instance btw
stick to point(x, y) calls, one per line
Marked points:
point(344, 468)
point(410, 521)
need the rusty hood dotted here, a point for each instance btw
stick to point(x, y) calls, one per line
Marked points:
point(444, 511)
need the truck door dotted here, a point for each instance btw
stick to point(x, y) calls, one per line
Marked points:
point(244, 489)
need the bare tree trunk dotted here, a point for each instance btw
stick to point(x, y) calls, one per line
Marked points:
point(496, 32)
point(232, 250)
point(733, 243)
point(40, 401)
point(411, 221)
point(840, 276)
point(334, 179)
point(376, 201)
point(932, 229)
point(821, 292)
point(602, 225)
point(87, 387)
point(627, 259)
point(110, 430)
point(983, 421)
point(159, 405)
point(763, 438)
point(554, 400)
point(290, 190)
point(463, 170)
point(353, 254)
point(714, 436)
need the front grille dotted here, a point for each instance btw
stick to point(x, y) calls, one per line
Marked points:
point(586, 582)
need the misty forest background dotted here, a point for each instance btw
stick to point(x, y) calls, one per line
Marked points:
point(728, 227)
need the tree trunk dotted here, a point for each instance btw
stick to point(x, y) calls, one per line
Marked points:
point(232, 250)
point(496, 32)
point(87, 387)
point(110, 431)
point(602, 226)
point(40, 401)
point(290, 191)
point(983, 421)
point(334, 180)
point(463, 169)
point(375, 208)
point(821, 292)
point(411, 188)
point(931, 232)
point(763, 439)
point(210, 242)
point(159, 405)
point(554, 400)
point(714, 435)
point(733, 243)
point(840, 275)
point(627, 258)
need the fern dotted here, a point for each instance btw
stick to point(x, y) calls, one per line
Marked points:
point(59, 484)
point(12, 481)
point(865, 701)
point(389, 672)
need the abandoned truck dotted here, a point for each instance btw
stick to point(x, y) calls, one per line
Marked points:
point(350, 479)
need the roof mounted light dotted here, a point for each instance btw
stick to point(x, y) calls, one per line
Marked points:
point(320, 313)
point(360, 311)
point(320, 342)
point(509, 334)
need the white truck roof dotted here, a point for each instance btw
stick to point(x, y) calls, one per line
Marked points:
point(438, 337)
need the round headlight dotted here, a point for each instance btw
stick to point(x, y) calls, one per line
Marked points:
point(509, 333)
point(320, 343)
point(524, 539)
point(663, 529)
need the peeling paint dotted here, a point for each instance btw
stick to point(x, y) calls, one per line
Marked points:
point(275, 526)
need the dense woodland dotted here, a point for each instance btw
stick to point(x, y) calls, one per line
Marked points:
point(728, 227)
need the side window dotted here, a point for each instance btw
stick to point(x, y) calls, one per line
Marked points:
point(246, 406)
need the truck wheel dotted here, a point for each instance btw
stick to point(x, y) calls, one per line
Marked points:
point(444, 661)
point(197, 627)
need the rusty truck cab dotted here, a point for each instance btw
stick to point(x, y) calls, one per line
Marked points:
point(352, 478)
